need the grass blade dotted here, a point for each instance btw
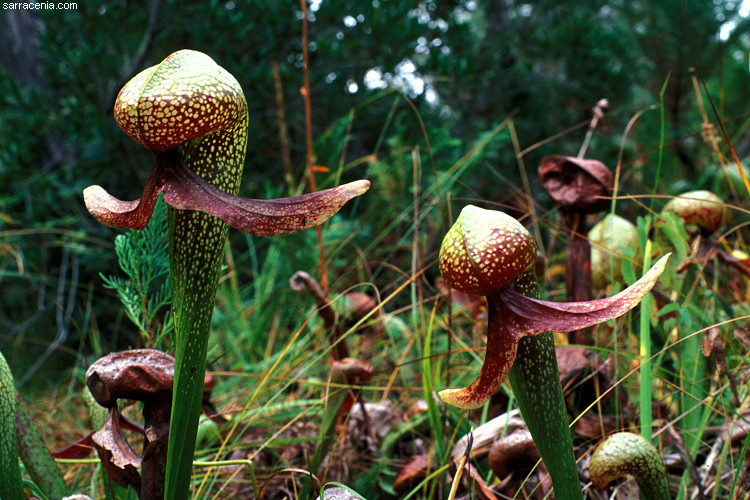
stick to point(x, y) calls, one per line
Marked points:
point(645, 353)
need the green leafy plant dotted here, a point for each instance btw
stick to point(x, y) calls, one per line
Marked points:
point(489, 253)
point(192, 114)
point(144, 257)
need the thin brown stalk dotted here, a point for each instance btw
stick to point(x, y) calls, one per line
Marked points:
point(305, 90)
point(711, 102)
point(286, 157)
point(552, 138)
point(618, 168)
point(526, 185)
point(428, 145)
point(302, 280)
point(709, 134)
point(600, 109)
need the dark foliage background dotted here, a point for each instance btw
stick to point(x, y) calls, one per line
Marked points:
point(383, 72)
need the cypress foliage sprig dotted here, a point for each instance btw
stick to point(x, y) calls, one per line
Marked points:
point(145, 290)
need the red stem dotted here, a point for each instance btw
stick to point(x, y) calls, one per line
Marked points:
point(309, 141)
